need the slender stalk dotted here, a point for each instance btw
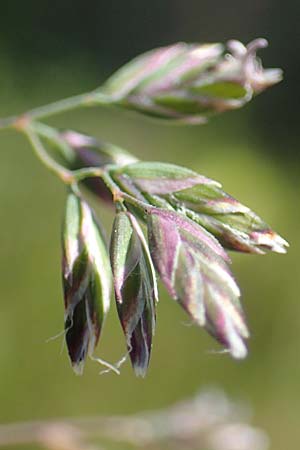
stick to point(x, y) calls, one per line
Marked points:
point(138, 203)
point(8, 122)
point(75, 176)
point(52, 135)
point(118, 194)
point(64, 174)
point(78, 101)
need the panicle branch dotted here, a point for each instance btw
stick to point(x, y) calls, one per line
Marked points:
point(169, 220)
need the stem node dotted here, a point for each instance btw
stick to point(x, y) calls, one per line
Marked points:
point(22, 122)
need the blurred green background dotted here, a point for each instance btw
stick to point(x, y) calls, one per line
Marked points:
point(50, 50)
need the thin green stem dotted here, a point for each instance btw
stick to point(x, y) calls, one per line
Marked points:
point(8, 122)
point(118, 194)
point(73, 177)
point(64, 174)
point(78, 101)
point(87, 172)
point(138, 203)
point(52, 135)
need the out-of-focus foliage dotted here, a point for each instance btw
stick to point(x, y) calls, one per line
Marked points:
point(207, 421)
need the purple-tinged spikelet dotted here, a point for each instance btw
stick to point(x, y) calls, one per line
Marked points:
point(190, 82)
point(234, 224)
point(86, 280)
point(135, 288)
point(194, 268)
point(202, 200)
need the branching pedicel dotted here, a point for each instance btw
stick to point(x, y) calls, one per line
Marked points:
point(190, 220)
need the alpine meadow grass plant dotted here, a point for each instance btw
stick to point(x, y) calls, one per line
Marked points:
point(169, 220)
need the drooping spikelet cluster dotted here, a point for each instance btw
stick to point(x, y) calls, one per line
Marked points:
point(190, 221)
point(169, 220)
